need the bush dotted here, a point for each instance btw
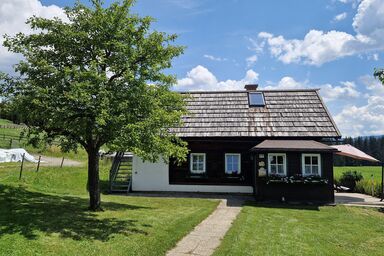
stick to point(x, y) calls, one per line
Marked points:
point(349, 179)
point(365, 187)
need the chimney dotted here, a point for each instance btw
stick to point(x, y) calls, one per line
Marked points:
point(251, 87)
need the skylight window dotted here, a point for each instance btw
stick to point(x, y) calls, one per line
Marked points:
point(256, 99)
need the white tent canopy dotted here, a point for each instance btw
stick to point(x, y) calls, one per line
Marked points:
point(351, 151)
point(15, 155)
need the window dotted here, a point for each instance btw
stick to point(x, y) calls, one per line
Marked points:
point(277, 164)
point(197, 165)
point(311, 164)
point(256, 99)
point(232, 163)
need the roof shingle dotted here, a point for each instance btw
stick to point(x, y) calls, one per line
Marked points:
point(288, 113)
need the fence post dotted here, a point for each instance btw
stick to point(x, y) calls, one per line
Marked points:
point(21, 166)
point(62, 161)
point(382, 182)
point(10, 143)
point(372, 185)
point(38, 164)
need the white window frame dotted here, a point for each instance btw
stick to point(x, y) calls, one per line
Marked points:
point(232, 154)
point(284, 163)
point(191, 163)
point(303, 164)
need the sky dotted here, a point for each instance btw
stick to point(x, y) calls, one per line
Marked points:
point(333, 45)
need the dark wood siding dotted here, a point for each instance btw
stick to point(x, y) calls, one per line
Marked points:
point(215, 151)
point(297, 191)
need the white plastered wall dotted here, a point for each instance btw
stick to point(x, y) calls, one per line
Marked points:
point(147, 176)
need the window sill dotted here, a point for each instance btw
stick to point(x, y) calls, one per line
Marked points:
point(197, 176)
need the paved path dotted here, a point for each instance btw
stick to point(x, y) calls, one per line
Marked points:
point(206, 236)
point(357, 199)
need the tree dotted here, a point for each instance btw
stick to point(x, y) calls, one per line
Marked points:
point(98, 79)
point(379, 74)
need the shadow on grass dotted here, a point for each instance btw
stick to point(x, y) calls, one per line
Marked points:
point(104, 187)
point(279, 205)
point(26, 213)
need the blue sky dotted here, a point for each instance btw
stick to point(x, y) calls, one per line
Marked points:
point(333, 45)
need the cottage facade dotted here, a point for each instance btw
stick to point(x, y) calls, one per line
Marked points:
point(271, 143)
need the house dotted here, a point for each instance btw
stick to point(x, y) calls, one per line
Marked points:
point(271, 143)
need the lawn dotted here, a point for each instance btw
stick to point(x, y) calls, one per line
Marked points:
point(366, 171)
point(10, 132)
point(5, 122)
point(10, 138)
point(305, 230)
point(46, 214)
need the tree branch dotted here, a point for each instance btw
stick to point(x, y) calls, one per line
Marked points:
point(117, 75)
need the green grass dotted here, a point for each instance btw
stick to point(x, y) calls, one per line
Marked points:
point(4, 132)
point(8, 134)
point(5, 122)
point(306, 230)
point(46, 214)
point(54, 151)
point(366, 171)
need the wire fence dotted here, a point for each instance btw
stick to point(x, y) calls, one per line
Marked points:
point(14, 141)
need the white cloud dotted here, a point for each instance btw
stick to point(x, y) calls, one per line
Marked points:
point(287, 83)
point(374, 86)
point(318, 47)
point(346, 90)
point(251, 60)
point(340, 17)
point(13, 15)
point(257, 46)
point(369, 19)
point(200, 78)
point(353, 120)
point(364, 120)
point(211, 57)
point(354, 3)
point(368, 118)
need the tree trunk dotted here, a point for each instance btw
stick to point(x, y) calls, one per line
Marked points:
point(93, 180)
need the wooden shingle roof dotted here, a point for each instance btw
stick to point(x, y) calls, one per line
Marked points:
point(287, 113)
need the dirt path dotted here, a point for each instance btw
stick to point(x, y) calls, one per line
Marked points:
point(56, 161)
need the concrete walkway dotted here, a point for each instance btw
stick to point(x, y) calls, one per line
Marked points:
point(206, 236)
point(357, 199)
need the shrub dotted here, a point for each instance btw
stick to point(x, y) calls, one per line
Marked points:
point(365, 187)
point(349, 179)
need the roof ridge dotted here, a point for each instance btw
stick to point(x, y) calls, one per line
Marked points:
point(242, 91)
